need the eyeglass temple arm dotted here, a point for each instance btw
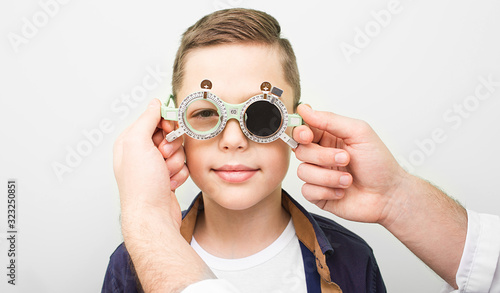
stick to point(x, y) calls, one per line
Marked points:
point(171, 114)
point(290, 141)
point(293, 120)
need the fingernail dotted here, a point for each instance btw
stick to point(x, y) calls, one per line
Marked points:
point(167, 149)
point(303, 135)
point(341, 158)
point(339, 192)
point(173, 184)
point(344, 180)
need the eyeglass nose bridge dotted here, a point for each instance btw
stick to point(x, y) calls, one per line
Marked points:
point(233, 111)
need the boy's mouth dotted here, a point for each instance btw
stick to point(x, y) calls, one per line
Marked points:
point(235, 173)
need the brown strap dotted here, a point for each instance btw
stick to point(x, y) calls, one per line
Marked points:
point(329, 287)
point(189, 221)
point(305, 233)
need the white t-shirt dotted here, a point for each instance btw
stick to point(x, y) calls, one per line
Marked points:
point(479, 269)
point(277, 268)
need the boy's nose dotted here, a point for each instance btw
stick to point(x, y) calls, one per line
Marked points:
point(232, 137)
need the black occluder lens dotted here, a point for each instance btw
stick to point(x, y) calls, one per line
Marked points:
point(263, 119)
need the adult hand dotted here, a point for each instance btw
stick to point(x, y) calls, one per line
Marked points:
point(148, 168)
point(350, 172)
point(347, 168)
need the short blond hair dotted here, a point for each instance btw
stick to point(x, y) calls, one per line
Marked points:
point(237, 25)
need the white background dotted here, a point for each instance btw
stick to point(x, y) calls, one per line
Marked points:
point(71, 72)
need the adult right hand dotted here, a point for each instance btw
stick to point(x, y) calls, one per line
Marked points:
point(148, 168)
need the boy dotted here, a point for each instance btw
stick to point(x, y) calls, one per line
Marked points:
point(242, 224)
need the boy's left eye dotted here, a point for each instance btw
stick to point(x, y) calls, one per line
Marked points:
point(204, 113)
point(203, 119)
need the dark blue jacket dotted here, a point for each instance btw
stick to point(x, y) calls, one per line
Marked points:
point(335, 259)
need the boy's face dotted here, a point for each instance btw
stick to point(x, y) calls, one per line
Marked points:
point(230, 169)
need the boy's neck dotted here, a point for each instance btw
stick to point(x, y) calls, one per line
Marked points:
point(236, 234)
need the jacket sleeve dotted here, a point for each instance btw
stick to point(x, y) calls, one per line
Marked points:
point(374, 282)
point(120, 276)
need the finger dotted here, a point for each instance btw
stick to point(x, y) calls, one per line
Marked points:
point(145, 126)
point(158, 137)
point(322, 156)
point(335, 124)
point(168, 148)
point(303, 134)
point(328, 140)
point(316, 193)
point(324, 177)
point(317, 133)
point(175, 162)
point(179, 178)
point(167, 125)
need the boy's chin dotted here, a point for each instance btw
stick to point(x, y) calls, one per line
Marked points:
point(237, 201)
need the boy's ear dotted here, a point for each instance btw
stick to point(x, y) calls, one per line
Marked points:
point(294, 107)
point(171, 101)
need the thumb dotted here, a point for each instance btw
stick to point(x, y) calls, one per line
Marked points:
point(337, 125)
point(146, 124)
